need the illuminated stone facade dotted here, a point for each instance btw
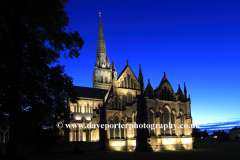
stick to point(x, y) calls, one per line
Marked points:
point(119, 96)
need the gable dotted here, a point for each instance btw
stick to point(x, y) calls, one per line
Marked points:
point(125, 75)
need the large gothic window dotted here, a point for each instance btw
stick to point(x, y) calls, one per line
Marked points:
point(166, 120)
point(116, 131)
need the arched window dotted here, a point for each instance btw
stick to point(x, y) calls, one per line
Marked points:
point(116, 107)
point(106, 79)
point(162, 94)
point(128, 81)
point(166, 120)
point(173, 122)
point(117, 127)
point(131, 83)
point(129, 97)
point(165, 92)
point(122, 130)
point(87, 108)
point(120, 107)
point(80, 134)
point(111, 129)
point(73, 134)
point(75, 108)
point(88, 135)
point(168, 95)
point(101, 79)
point(77, 134)
point(151, 121)
point(125, 82)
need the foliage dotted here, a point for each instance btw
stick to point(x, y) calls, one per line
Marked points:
point(34, 89)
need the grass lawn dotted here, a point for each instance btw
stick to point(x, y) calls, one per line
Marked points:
point(217, 151)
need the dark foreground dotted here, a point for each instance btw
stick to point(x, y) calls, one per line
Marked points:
point(216, 151)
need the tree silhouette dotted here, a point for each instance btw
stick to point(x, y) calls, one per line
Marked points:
point(196, 133)
point(34, 89)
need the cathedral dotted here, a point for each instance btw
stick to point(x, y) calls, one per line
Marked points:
point(123, 99)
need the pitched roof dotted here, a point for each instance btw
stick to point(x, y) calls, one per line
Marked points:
point(165, 80)
point(149, 90)
point(149, 86)
point(124, 71)
point(90, 92)
point(179, 91)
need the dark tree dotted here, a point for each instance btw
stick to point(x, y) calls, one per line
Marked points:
point(204, 134)
point(196, 133)
point(237, 137)
point(33, 88)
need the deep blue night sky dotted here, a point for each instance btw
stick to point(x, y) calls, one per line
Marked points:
point(197, 42)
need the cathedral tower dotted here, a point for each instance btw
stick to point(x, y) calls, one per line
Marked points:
point(102, 74)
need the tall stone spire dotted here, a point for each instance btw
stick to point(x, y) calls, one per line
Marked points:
point(140, 71)
point(102, 74)
point(113, 66)
point(101, 59)
point(140, 79)
point(185, 91)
